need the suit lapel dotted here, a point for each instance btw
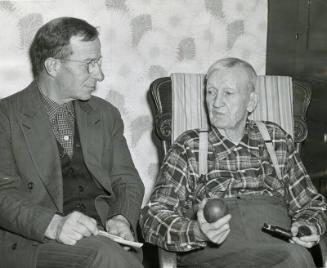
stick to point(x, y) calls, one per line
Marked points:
point(90, 127)
point(42, 145)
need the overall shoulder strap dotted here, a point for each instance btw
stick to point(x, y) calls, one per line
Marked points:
point(203, 152)
point(266, 137)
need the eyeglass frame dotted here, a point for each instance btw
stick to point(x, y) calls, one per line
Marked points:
point(90, 64)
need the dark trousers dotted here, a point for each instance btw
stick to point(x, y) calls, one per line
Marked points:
point(247, 246)
point(91, 252)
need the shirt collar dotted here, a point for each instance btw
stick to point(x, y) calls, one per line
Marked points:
point(251, 141)
point(54, 108)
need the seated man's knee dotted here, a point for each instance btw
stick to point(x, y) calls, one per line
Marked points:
point(108, 253)
point(297, 256)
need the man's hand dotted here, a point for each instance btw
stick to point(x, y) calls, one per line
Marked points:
point(119, 225)
point(305, 241)
point(215, 232)
point(71, 228)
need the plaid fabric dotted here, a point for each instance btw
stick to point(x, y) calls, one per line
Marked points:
point(233, 170)
point(62, 118)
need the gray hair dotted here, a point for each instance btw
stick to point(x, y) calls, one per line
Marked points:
point(227, 63)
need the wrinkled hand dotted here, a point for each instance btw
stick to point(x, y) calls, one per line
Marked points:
point(305, 241)
point(119, 225)
point(71, 228)
point(215, 232)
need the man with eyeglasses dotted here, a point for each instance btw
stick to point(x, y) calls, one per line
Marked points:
point(65, 168)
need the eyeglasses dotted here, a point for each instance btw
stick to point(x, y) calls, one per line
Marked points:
point(91, 64)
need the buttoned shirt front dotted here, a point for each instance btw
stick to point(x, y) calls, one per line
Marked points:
point(62, 118)
point(233, 170)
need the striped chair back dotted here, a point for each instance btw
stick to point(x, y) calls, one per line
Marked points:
point(188, 102)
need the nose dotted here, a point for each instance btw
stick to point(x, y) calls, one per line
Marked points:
point(218, 100)
point(97, 73)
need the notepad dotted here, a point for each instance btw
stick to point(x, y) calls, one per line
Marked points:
point(120, 240)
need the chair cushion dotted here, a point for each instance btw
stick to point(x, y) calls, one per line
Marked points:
point(275, 101)
point(188, 103)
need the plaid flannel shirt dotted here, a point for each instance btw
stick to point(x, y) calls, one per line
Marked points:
point(233, 170)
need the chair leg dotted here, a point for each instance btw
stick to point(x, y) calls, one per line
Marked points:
point(323, 249)
point(167, 259)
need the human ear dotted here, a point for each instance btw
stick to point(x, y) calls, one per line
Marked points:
point(51, 65)
point(254, 98)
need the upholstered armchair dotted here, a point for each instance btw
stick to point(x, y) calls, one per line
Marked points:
point(289, 98)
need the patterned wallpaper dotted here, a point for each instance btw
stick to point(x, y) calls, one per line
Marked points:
point(141, 41)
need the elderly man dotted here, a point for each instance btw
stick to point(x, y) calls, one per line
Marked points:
point(239, 170)
point(65, 169)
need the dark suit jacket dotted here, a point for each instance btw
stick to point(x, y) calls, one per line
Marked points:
point(30, 172)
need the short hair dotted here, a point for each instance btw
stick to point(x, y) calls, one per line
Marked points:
point(227, 63)
point(52, 40)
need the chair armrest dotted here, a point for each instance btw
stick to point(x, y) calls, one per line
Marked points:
point(167, 259)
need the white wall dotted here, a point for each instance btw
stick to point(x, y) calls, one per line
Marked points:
point(141, 41)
